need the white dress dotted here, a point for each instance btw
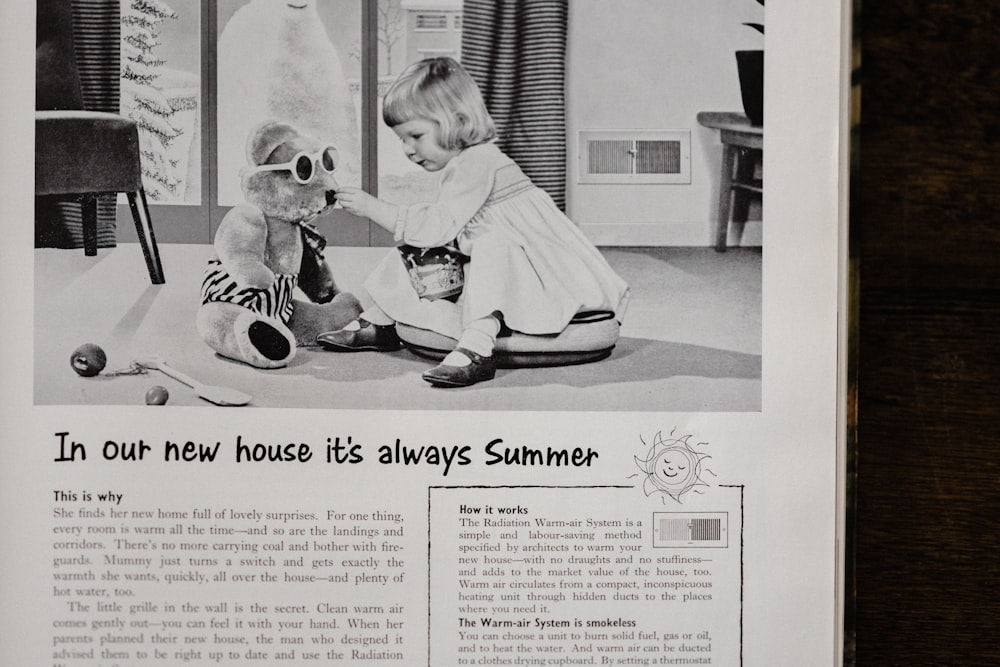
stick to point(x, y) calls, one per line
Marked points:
point(527, 259)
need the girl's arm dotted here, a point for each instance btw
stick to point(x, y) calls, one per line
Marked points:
point(465, 186)
point(359, 202)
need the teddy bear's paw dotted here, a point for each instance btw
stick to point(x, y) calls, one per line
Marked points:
point(262, 343)
point(309, 319)
point(268, 341)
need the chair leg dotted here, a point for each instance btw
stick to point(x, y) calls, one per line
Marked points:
point(144, 227)
point(88, 214)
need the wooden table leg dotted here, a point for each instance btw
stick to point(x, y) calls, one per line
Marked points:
point(725, 197)
point(745, 164)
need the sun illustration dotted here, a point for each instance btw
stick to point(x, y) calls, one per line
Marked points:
point(672, 467)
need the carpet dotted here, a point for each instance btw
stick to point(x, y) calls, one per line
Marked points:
point(691, 340)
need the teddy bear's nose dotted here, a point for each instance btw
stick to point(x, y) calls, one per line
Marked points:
point(331, 197)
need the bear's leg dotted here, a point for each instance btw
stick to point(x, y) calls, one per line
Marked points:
point(310, 319)
point(238, 333)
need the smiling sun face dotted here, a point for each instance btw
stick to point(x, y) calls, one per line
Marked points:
point(672, 467)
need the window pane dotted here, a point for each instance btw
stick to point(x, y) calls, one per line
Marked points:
point(161, 91)
point(403, 38)
point(293, 62)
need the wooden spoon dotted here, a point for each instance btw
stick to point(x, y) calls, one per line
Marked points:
point(224, 396)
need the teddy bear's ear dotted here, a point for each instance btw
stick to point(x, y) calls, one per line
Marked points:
point(267, 136)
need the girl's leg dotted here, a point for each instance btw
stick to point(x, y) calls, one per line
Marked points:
point(372, 314)
point(374, 331)
point(472, 359)
point(479, 337)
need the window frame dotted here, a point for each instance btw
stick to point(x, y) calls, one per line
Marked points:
point(197, 222)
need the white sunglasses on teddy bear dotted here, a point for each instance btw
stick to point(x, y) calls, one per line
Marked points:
point(303, 165)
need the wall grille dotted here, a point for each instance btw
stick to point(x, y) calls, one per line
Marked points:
point(634, 156)
point(432, 22)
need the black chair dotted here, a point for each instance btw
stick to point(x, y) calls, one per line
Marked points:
point(78, 152)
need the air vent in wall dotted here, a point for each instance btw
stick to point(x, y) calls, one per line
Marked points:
point(634, 156)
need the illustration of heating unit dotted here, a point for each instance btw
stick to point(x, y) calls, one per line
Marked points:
point(691, 529)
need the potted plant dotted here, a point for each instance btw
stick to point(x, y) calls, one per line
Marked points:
point(750, 65)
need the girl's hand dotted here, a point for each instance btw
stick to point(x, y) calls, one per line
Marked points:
point(356, 201)
point(360, 203)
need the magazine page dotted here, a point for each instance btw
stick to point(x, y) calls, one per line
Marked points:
point(586, 412)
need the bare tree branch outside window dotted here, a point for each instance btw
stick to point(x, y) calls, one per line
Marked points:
point(390, 28)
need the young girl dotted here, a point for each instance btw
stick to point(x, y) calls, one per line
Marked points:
point(530, 268)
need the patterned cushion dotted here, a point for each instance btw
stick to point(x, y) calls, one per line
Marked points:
point(589, 337)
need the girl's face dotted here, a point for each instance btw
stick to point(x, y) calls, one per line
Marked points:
point(420, 144)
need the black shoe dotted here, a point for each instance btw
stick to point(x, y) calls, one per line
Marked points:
point(370, 337)
point(479, 370)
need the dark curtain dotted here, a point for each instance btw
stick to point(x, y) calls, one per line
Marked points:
point(516, 52)
point(97, 50)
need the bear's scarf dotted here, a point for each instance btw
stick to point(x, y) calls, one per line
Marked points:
point(312, 239)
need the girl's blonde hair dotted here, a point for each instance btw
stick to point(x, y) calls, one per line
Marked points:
point(440, 90)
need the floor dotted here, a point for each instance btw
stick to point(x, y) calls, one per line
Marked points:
point(691, 340)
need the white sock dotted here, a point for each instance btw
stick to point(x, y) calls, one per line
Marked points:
point(479, 337)
point(377, 316)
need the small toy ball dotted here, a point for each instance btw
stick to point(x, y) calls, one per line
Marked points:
point(157, 395)
point(88, 360)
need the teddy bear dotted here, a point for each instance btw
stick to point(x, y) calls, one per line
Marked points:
point(265, 248)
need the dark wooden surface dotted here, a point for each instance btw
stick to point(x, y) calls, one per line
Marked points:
point(927, 221)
